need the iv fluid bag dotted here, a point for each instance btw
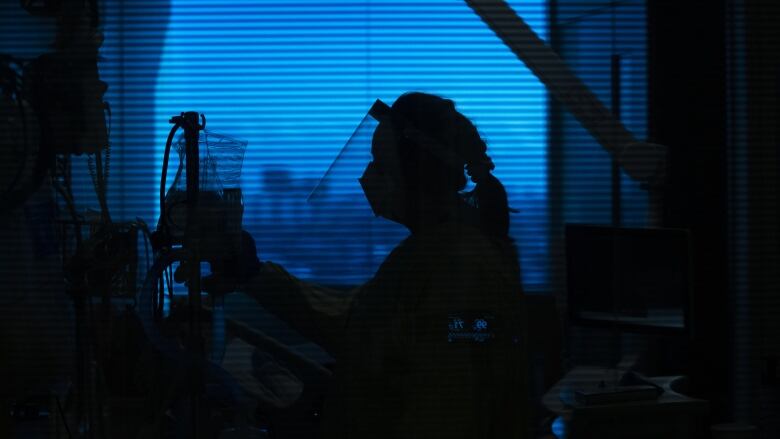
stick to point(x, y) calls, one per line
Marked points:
point(220, 205)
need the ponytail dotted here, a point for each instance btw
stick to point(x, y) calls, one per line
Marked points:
point(493, 207)
point(489, 197)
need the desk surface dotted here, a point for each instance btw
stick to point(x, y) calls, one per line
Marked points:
point(588, 377)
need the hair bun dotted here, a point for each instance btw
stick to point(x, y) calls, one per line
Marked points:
point(479, 170)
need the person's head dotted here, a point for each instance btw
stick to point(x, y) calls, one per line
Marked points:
point(427, 181)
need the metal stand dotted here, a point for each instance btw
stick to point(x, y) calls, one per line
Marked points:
point(192, 126)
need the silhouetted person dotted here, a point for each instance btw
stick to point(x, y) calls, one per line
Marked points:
point(432, 345)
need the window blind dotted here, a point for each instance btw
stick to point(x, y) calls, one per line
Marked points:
point(605, 44)
point(294, 79)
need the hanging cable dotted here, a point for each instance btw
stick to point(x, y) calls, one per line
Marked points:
point(166, 157)
point(106, 165)
point(10, 82)
point(100, 188)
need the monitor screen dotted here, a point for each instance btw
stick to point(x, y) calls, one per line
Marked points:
point(632, 278)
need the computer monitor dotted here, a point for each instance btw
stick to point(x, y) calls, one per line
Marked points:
point(631, 279)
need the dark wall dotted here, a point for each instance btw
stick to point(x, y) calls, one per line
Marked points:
point(754, 198)
point(687, 113)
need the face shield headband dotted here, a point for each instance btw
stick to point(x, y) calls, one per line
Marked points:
point(378, 129)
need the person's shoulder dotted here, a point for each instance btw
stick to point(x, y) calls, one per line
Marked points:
point(451, 245)
point(456, 240)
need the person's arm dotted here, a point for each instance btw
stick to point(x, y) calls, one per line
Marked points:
point(317, 312)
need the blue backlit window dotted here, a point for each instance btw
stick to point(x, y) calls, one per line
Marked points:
point(294, 78)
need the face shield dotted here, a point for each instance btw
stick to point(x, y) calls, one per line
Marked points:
point(367, 170)
point(354, 179)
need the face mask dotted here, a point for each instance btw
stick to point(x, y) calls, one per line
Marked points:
point(382, 193)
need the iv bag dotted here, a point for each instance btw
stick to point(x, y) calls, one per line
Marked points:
point(220, 204)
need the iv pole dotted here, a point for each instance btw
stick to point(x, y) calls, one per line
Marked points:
point(191, 247)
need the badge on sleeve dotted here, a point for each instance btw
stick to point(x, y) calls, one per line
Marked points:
point(471, 327)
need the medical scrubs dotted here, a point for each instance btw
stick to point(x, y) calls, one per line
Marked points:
point(432, 346)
